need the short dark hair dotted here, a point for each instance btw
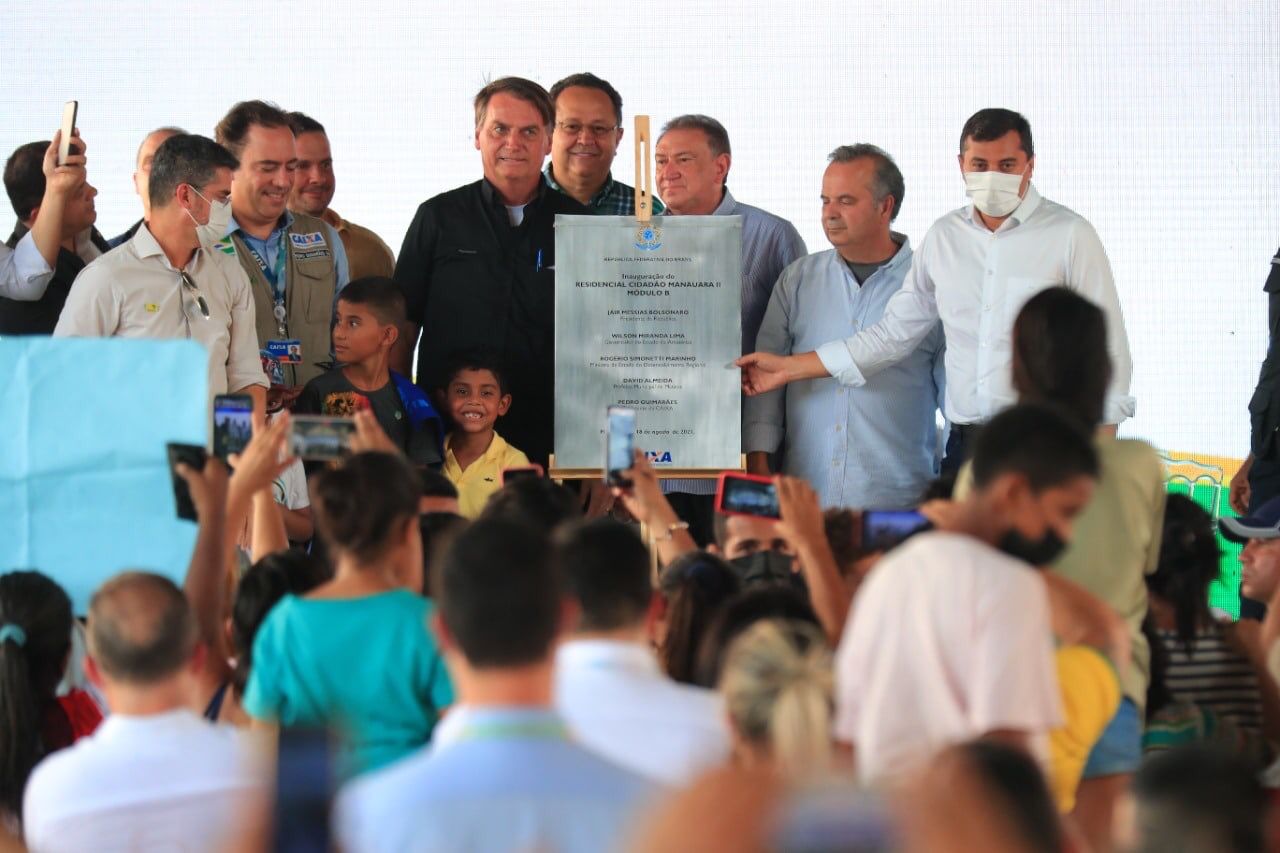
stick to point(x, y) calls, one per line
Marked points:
point(24, 178)
point(587, 80)
point(888, 180)
point(499, 594)
point(695, 585)
point(474, 359)
point(536, 501)
point(141, 629)
point(717, 136)
point(301, 123)
point(435, 484)
point(844, 535)
point(1060, 354)
point(1203, 793)
point(363, 503)
point(992, 123)
point(167, 130)
point(276, 575)
point(235, 125)
point(518, 87)
point(380, 295)
point(187, 158)
point(1019, 791)
point(1036, 441)
point(766, 601)
point(605, 566)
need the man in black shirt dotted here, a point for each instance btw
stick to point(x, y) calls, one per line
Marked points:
point(478, 263)
point(24, 181)
point(1258, 479)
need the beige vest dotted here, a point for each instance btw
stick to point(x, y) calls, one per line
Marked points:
point(310, 281)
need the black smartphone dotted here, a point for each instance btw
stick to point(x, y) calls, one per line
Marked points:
point(620, 443)
point(232, 424)
point(746, 494)
point(193, 456)
point(884, 528)
point(533, 471)
point(304, 790)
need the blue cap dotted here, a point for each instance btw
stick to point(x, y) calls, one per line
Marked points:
point(1263, 524)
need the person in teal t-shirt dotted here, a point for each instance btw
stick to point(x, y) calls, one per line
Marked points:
point(355, 654)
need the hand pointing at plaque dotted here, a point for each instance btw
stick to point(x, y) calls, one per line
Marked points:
point(764, 371)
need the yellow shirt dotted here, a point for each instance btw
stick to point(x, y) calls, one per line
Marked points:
point(1090, 698)
point(1116, 542)
point(482, 477)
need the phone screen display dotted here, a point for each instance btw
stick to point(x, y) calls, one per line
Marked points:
point(232, 423)
point(317, 437)
point(620, 443)
point(884, 528)
point(749, 497)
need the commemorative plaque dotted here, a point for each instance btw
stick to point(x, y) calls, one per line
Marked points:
point(648, 316)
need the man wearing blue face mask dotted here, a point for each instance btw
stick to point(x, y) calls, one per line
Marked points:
point(178, 277)
point(974, 270)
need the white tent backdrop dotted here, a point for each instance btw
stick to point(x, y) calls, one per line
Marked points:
point(1157, 121)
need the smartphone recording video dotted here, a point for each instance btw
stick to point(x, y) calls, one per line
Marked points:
point(533, 472)
point(882, 529)
point(193, 456)
point(746, 494)
point(321, 438)
point(232, 424)
point(620, 444)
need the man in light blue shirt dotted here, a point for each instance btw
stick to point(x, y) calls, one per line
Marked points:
point(693, 159)
point(501, 772)
point(872, 446)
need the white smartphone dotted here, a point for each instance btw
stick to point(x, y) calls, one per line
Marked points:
point(619, 443)
point(69, 110)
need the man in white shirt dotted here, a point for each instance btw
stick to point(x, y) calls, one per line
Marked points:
point(949, 638)
point(974, 270)
point(609, 687)
point(177, 277)
point(154, 776)
point(27, 268)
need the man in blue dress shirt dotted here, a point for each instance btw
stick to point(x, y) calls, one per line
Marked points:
point(871, 446)
point(501, 772)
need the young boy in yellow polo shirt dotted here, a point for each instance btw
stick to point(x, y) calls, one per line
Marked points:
point(474, 454)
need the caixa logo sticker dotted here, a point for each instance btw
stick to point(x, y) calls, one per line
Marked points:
point(659, 457)
point(648, 239)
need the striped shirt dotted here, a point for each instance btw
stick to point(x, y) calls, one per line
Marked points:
point(1214, 676)
point(614, 198)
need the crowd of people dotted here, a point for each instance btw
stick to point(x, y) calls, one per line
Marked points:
point(407, 650)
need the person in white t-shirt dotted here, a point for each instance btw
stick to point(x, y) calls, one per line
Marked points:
point(154, 776)
point(949, 638)
point(610, 689)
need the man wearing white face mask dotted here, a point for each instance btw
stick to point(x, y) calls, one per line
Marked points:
point(974, 270)
point(178, 277)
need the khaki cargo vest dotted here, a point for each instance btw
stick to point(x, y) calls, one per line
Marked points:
point(310, 281)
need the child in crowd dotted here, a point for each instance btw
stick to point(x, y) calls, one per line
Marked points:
point(369, 313)
point(475, 396)
point(355, 652)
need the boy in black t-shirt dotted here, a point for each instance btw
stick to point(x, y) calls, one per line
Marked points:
point(369, 312)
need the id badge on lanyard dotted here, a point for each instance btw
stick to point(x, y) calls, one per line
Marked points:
point(277, 286)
